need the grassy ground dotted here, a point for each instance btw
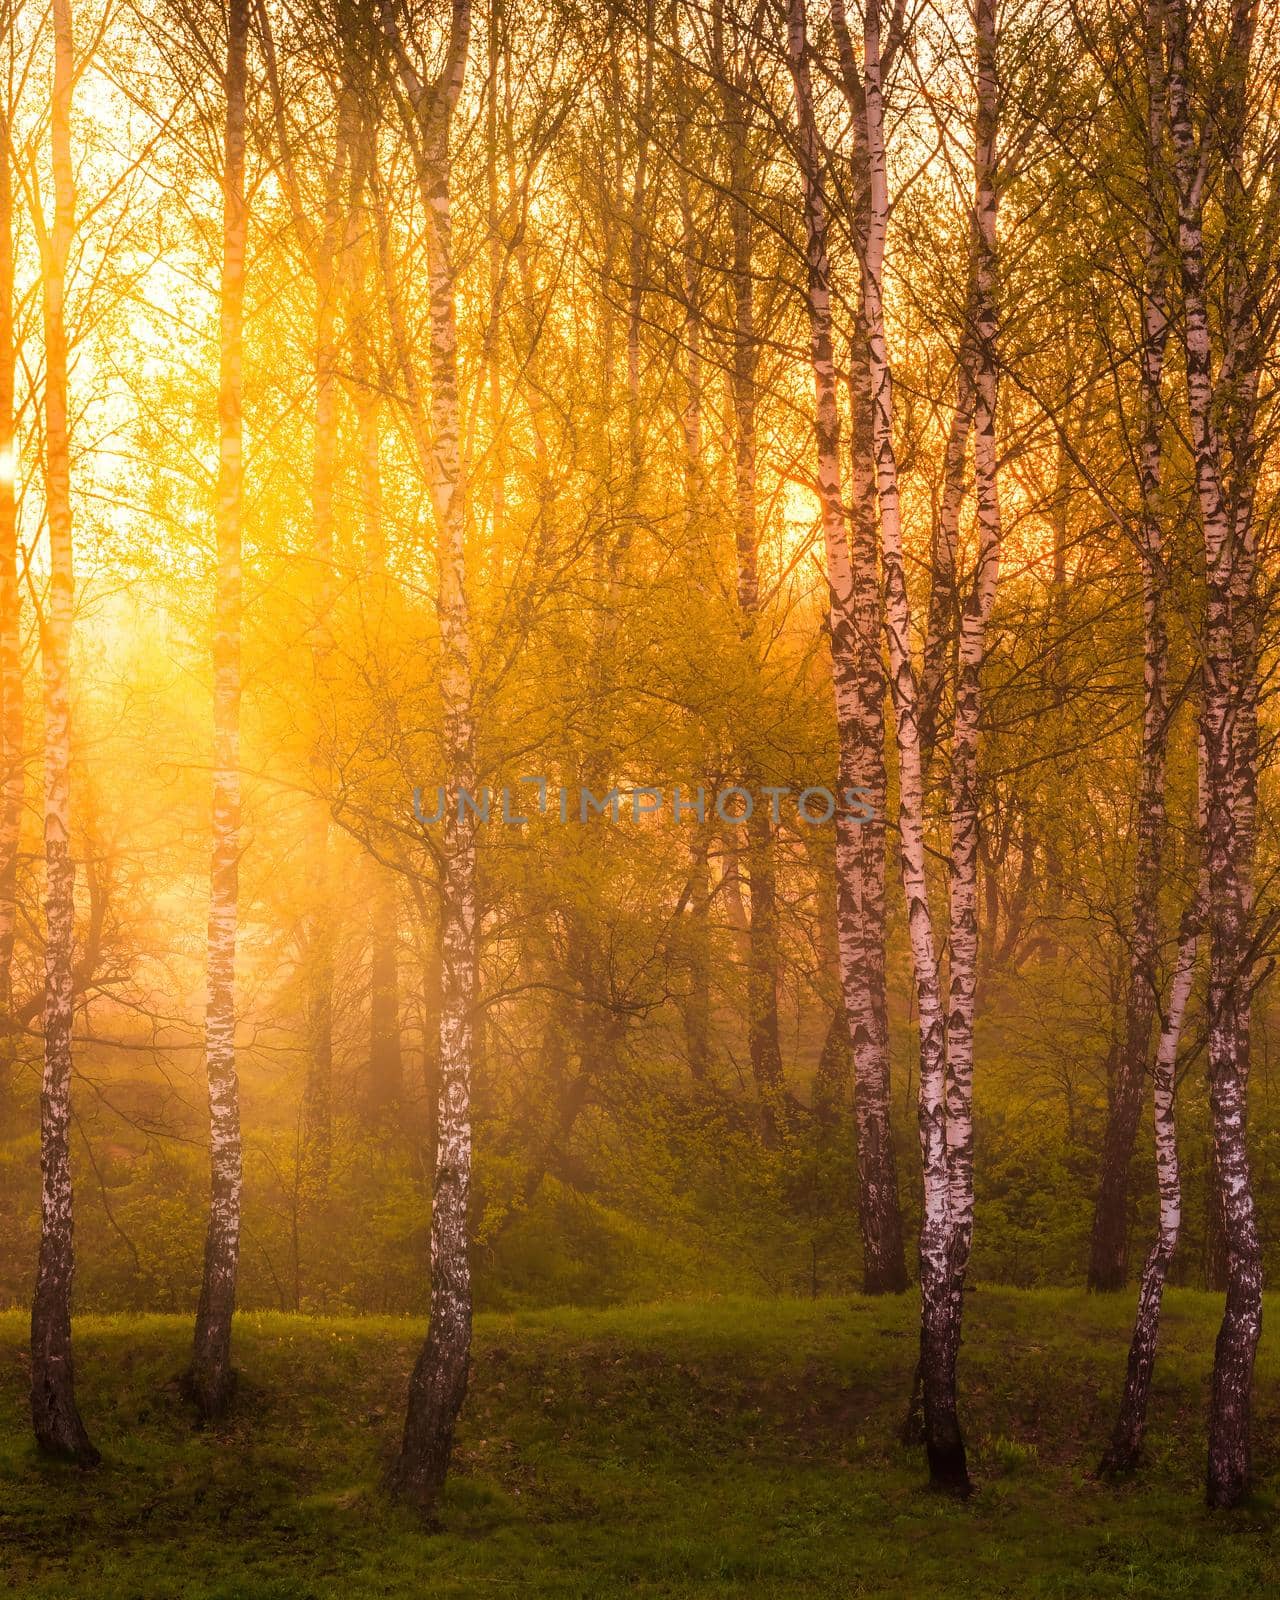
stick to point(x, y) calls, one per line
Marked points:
point(712, 1449)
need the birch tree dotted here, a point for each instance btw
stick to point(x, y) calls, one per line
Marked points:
point(1125, 1447)
point(212, 1374)
point(439, 1382)
point(1227, 784)
point(944, 1442)
point(58, 1428)
point(860, 843)
point(963, 932)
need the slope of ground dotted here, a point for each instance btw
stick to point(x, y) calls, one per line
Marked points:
point(711, 1449)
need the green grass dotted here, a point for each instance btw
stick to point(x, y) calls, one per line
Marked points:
point(720, 1448)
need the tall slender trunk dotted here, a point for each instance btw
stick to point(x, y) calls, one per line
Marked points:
point(944, 1442)
point(1123, 1452)
point(1107, 1256)
point(863, 918)
point(11, 685)
point(213, 1377)
point(439, 1382)
point(860, 840)
point(764, 1046)
point(962, 974)
point(1229, 1467)
point(58, 1428)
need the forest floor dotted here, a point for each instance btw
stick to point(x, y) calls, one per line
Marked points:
point(729, 1447)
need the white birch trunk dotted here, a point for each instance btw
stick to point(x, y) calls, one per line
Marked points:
point(943, 1441)
point(1125, 1448)
point(58, 1428)
point(962, 975)
point(860, 845)
point(212, 1375)
point(439, 1383)
point(1229, 1466)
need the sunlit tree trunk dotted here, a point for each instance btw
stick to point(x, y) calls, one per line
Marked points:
point(1107, 1254)
point(213, 1377)
point(943, 1440)
point(58, 1428)
point(860, 838)
point(1229, 1468)
point(11, 686)
point(439, 1383)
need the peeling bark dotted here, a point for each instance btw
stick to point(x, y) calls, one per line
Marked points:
point(944, 1443)
point(857, 677)
point(1229, 1464)
point(963, 971)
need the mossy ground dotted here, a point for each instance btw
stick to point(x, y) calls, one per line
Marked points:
point(718, 1448)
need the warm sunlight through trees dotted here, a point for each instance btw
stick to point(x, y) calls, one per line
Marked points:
point(664, 678)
